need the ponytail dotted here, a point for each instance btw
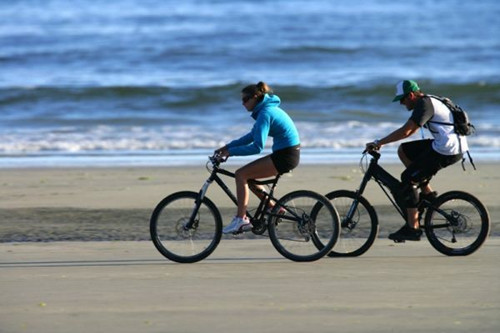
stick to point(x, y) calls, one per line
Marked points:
point(264, 88)
point(258, 90)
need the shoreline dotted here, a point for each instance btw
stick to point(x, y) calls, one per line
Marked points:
point(161, 159)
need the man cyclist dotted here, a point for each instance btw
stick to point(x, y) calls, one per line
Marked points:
point(422, 158)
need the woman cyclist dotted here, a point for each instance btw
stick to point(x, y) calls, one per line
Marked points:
point(270, 120)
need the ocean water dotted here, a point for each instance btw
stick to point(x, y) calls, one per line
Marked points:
point(155, 82)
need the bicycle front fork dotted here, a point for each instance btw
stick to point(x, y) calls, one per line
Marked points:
point(347, 221)
point(193, 222)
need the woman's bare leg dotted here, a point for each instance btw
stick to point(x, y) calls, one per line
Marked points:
point(261, 168)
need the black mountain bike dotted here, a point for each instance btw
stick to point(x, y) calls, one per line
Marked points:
point(456, 223)
point(186, 226)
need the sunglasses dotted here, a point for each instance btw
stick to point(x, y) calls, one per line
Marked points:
point(246, 98)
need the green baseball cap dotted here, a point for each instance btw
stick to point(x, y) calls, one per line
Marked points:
point(405, 87)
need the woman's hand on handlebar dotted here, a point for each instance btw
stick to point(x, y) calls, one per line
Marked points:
point(374, 145)
point(222, 154)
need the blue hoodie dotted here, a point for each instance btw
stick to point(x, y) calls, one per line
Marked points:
point(270, 120)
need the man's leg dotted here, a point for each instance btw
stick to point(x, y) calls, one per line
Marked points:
point(425, 187)
point(411, 229)
point(411, 199)
point(412, 218)
point(402, 156)
point(414, 156)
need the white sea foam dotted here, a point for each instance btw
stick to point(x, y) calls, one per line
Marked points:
point(168, 139)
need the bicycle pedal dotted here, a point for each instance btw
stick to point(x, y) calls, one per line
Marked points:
point(247, 227)
point(399, 241)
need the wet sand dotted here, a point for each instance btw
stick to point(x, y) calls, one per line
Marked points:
point(116, 203)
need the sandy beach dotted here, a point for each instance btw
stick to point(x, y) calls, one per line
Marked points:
point(245, 286)
point(75, 255)
point(93, 94)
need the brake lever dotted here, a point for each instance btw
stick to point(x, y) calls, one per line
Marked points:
point(217, 159)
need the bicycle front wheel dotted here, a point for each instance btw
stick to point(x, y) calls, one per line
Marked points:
point(303, 226)
point(358, 224)
point(457, 223)
point(176, 236)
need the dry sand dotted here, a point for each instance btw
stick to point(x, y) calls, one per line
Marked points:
point(246, 286)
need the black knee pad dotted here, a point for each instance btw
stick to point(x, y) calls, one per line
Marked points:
point(409, 195)
point(419, 178)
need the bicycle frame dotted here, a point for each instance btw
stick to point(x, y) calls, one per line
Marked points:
point(454, 217)
point(384, 179)
point(214, 176)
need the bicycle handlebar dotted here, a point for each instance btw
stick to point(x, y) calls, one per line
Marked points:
point(374, 153)
point(216, 159)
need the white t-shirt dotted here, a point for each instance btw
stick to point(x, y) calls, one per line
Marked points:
point(446, 141)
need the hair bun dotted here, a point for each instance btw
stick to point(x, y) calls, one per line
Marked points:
point(258, 90)
point(263, 87)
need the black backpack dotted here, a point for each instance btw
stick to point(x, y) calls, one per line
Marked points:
point(461, 123)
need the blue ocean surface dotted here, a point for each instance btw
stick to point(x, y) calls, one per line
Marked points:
point(157, 83)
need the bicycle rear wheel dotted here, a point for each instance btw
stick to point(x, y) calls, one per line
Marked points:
point(457, 224)
point(358, 232)
point(175, 238)
point(308, 228)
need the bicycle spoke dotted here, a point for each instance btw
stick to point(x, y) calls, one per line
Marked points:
point(307, 228)
point(458, 225)
point(359, 227)
point(178, 239)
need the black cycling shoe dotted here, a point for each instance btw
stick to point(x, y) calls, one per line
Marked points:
point(406, 233)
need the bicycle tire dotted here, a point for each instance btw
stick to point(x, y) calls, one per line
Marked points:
point(176, 243)
point(468, 230)
point(355, 238)
point(310, 238)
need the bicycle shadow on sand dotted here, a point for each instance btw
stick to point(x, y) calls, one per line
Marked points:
point(128, 262)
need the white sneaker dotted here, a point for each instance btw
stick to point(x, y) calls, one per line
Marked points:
point(236, 224)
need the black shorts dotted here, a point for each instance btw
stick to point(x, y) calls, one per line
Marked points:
point(426, 162)
point(286, 159)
